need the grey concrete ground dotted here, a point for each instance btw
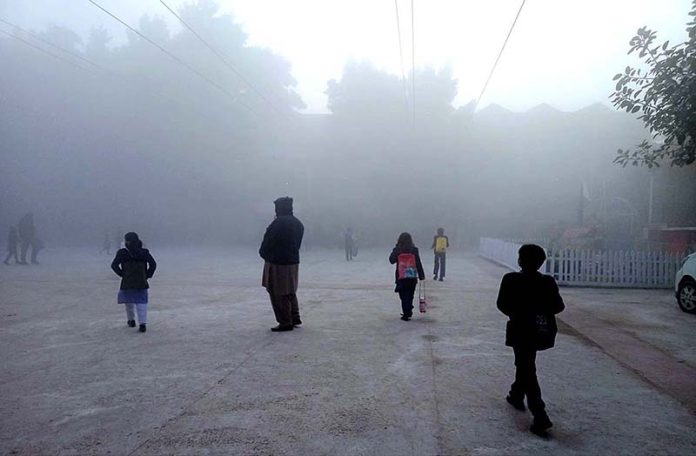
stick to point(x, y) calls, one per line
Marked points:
point(648, 315)
point(210, 378)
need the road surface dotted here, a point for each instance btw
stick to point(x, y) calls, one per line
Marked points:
point(209, 377)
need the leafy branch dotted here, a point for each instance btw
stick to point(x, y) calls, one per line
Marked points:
point(665, 95)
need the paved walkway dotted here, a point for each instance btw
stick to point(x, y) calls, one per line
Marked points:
point(209, 378)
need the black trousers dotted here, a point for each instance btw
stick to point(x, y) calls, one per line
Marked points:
point(440, 263)
point(35, 247)
point(406, 289)
point(526, 383)
point(285, 308)
point(24, 247)
point(349, 252)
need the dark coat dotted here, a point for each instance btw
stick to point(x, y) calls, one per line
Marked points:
point(530, 300)
point(134, 267)
point(394, 257)
point(12, 241)
point(26, 228)
point(282, 241)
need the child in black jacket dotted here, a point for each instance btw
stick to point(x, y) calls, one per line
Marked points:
point(409, 270)
point(530, 300)
point(134, 265)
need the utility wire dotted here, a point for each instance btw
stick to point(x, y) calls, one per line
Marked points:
point(413, 62)
point(162, 94)
point(55, 46)
point(490, 75)
point(221, 57)
point(55, 56)
point(175, 58)
point(401, 53)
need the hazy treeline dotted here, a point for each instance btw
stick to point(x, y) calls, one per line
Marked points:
point(131, 140)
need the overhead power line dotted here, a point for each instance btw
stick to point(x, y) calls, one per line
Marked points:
point(162, 95)
point(413, 62)
point(175, 58)
point(222, 58)
point(55, 46)
point(119, 79)
point(401, 53)
point(490, 75)
point(44, 51)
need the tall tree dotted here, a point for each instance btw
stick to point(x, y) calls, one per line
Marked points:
point(367, 93)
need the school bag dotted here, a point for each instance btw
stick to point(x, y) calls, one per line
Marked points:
point(440, 244)
point(406, 266)
point(545, 330)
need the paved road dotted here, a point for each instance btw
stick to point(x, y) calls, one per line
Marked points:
point(209, 378)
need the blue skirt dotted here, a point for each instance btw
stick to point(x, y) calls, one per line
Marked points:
point(132, 296)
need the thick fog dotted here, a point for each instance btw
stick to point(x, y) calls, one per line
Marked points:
point(99, 138)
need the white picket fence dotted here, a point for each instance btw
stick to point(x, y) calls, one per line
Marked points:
point(594, 268)
point(502, 252)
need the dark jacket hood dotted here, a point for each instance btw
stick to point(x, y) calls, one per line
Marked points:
point(283, 206)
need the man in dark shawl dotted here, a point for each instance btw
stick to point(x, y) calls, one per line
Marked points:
point(280, 250)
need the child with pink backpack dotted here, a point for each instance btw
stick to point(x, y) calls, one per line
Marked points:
point(408, 271)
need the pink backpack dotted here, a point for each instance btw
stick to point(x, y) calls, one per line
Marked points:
point(406, 264)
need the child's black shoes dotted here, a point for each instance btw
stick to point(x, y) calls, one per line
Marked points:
point(282, 328)
point(142, 328)
point(541, 425)
point(517, 403)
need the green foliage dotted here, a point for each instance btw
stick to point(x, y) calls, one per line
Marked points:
point(665, 95)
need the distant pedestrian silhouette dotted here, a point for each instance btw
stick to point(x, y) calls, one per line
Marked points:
point(12, 243)
point(440, 246)
point(530, 300)
point(28, 239)
point(106, 245)
point(349, 243)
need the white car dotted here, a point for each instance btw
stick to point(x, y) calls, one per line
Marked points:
point(685, 284)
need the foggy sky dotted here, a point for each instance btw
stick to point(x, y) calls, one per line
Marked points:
point(563, 52)
point(142, 143)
